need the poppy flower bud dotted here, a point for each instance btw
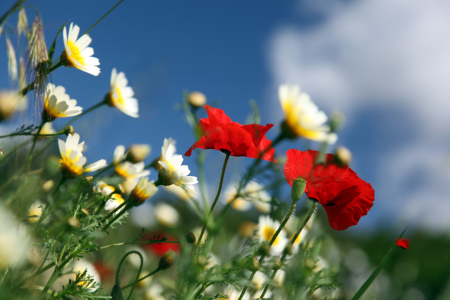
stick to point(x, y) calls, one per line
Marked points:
point(138, 152)
point(343, 156)
point(197, 99)
point(402, 243)
point(166, 260)
point(298, 188)
point(190, 238)
point(116, 293)
point(69, 130)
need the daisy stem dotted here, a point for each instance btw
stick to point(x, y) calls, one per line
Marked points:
point(274, 237)
point(142, 278)
point(113, 211)
point(84, 113)
point(215, 200)
point(283, 257)
point(56, 66)
point(119, 214)
point(92, 27)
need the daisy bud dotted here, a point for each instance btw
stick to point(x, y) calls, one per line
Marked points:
point(73, 222)
point(138, 153)
point(166, 260)
point(142, 191)
point(298, 188)
point(69, 130)
point(190, 238)
point(85, 211)
point(8, 103)
point(197, 99)
point(252, 263)
point(343, 156)
point(86, 181)
point(276, 264)
point(202, 260)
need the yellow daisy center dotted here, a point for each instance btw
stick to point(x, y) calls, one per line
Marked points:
point(69, 169)
point(268, 234)
point(117, 97)
point(122, 171)
point(75, 53)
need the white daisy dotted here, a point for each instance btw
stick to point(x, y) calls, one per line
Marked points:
point(299, 239)
point(13, 243)
point(57, 104)
point(154, 292)
point(234, 294)
point(172, 164)
point(115, 201)
point(83, 265)
point(73, 161)
point(143, 191)
point(103, 188)
point(238, 203)
point(125, 168)
point(183, 194)
point(166, 215)
point(121, 95)
point(259, 280)
point(267, 228)
point(279, 278)
point(303, 118)
point(261, 199)
point(47, 128)
point(77, 53)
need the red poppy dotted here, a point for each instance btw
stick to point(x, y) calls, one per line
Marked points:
point(402, 243)
point(162, 248)
point(220, 133)
point(345, 196)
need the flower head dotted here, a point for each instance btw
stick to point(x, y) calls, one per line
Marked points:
point(103, 189)
point(220, 133)
point(73, 161)
point(303, 118)
point(125, 168)
point(402, 243)
point(267, 228)
point(173, 172)
point(35, 211)
point(57, 104)
point(77, 53)
point(166, 215)
point(345, 197)
point(115, 201)
point(47, 128)
point(143, 191)
point(83, 265)
point(121, 95)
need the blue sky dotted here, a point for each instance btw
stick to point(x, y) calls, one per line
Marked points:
point(384, 65)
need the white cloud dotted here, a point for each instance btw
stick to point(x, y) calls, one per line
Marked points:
point(387, 54)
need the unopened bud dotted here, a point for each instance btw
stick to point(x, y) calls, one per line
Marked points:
point(165, 178)
point(69, 130)
point(276, 264)
point(202, 260)
point(264, 249)
point(337, 120)
point(190, 238)
point(85, 211)
point(166, 260)
point(73, 222)
point(197, 99)
point(252, 263)
point(298, 188)
point(138, 152)
point(116, 293)
point(343, 156)
point(86, 181)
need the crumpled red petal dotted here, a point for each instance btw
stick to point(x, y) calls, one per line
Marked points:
point(345, 196)
point(220, 133)
point(402, 243)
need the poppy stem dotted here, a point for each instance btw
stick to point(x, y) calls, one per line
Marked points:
point(283, 257)
point(217, 197)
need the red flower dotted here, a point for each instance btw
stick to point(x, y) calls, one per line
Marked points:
point(220, 133)
point(161, 249)
point(345, 196)
point(402, 243)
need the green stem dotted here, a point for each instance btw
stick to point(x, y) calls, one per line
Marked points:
point(215, 200)
point(142, 278)
point(118, 215)
point(138, 273)
point(32, 134)
point(113, 211)
point(84, 113)
point(95, 24)
point(261, 259)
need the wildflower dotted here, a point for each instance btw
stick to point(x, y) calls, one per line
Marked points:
point(121, 95)
point(238, 203)
point(258, 280)
point(143, 191)
point(343, 156)
point(166, 215)
point(115, 201)
point(35, 211)
point(138, 153)
point(166, 260)
point(220, 133)
point(77, 53)
point(267, 228)
point(279, 278)
point(260, 198)
point(197, 231)
point(298, 240)
point(154, 292)
point(173, 172)
point(181, 193)
point(13, 245)
point(47, 128)
point(125, 168)
point(57, 104)
point(8, 103)
point(344, 196)
point(303, 118)
point(103, 189)
point(402, 243)
point(234, 294)
point(83, 265)
point(197, 99)
point(73, 161)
